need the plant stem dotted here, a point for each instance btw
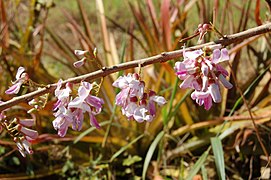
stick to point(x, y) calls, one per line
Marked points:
point(161, 58)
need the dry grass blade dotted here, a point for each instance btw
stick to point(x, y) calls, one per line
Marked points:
point(105, 35)
point(4, 34)
point(153, 18)
point(86, 22)
point(165, 18)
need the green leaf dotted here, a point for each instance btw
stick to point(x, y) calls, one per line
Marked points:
point(16, 161)
point(195, 169)
point(150, 153)
point(131, 160)
point(219, 157)
point(204, 173)
point(125, 147)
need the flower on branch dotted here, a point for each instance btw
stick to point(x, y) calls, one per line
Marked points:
point(85, 103)
point(203, 73)
point(70, 111)
point(202, 30)
point(22, 135)
point(135, 102)
point(21, 77)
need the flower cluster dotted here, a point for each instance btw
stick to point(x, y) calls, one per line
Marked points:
point(135, 102)
point(203, 73)
point(21, 78)
point(22, 135)
point(70, 112)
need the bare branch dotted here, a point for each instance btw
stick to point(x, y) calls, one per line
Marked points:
point(161, 58)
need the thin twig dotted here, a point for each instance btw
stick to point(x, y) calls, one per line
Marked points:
point(251, 116)
point(161, 58)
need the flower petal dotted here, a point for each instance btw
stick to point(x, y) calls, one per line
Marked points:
point(215, 92)
point(20, 71)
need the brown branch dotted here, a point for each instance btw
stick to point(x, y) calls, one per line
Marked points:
point(161, 58)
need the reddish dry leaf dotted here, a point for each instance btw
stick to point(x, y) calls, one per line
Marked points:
point(165, 17)
point(153, 18)
point(257, 13)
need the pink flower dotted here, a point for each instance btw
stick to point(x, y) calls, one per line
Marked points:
point(83, 60)
point(203, 73)
point(23, 145)
point(22, 135)
point(87, 103)
point(21, 77)
point(202, 29)
point(63, 95)
point(135, 103)
point(80, 63)
point(63, 120)
point(70, 111)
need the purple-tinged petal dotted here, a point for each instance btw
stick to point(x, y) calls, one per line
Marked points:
point(204, 69)
point(193, 54)
point(93, 121)
point(220, 55)
point(59, 84)
point(179, 66)
point(129, 110)
point(56, 105)
point(222, 70)
point(76, 103)
point(187, 82)
point(204, 83)
point(216, 56)
point(121, 98)
point(196, 85)
point(14, 89)
point(120, 83)
point(140, 115)
point(27, 147)
point(215, 92)
point(29, 132)
point(27, 122)
point(80, 63)
point(87, 85)
point(199, 95)
point(225, 82)
point(80, 52)
point(160, 100)
point(152, 108)
point(61, 125)
point(95, 102)
point(224, 55)
point(78, 119)
point(208, 103)
point(83, 92)
point(20, 71)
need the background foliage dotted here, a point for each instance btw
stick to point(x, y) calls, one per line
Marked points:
point(41, 36)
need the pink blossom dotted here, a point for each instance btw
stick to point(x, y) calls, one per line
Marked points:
point(63, 120)
point(70, 110)
point(63, 95)
point(135, 102)
point(25, 136)
point(203, 73)
point(83, 60)
point(87, 103)
point(80, 63)
point(24, 146)
point(202, 29)
point(21, 77)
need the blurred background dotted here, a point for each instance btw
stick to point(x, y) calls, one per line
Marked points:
point(41, 36)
